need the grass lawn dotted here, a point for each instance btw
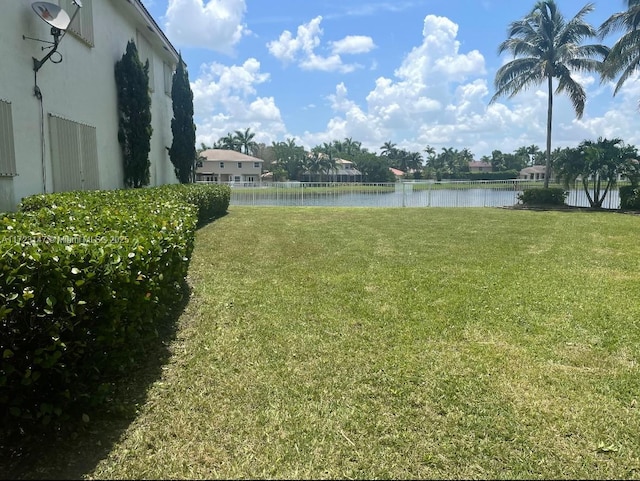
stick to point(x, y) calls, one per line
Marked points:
point(398, 343)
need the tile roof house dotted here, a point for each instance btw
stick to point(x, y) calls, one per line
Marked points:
point(59, 123)
point(228, 166)
point(398, 173)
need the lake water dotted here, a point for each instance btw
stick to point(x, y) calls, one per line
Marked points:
point(403, 197)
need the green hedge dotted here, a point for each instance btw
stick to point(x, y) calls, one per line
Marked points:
point(210, 200)
point(543, 197)
point(84, 280)
point(629, 197)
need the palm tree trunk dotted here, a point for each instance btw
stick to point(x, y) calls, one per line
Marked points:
point(547, 170)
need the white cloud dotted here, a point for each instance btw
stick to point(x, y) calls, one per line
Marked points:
point(438, 95)
point(353, 44)
point(333, 63)
point(426, 103)
point(214, 25)
point(618, 122)
point(225, 99)
point(302, 49)
point(287, 47)
point(438, 58)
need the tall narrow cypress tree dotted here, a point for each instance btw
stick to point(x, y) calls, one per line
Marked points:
point(134, 111)
point(183, 148)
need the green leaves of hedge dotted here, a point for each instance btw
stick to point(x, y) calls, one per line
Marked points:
point(84, 278)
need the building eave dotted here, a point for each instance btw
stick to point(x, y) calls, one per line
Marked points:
point(153, 27)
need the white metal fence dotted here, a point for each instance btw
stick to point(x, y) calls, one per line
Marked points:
point(400, 194)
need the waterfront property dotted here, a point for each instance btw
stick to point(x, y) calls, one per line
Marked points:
point(535, 172)
point(223, 166)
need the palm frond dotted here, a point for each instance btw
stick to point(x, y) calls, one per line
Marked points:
point(575, 91)
point(625, 52)
point(516, 76)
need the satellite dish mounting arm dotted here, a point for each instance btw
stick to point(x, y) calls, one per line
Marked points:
point(58, 32)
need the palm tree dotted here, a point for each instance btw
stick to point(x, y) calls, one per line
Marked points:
point(415, 160)
point(597, 164)
point(329, 165)
point(625, 54)
point(351, 146)
point(229, 142)
point(387, 148)
point(314, 164)
point(245, 141)
point(545, 46)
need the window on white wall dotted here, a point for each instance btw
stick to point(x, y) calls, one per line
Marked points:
point(74, 155)
point(7, 147)
point(168, 78)
point(82, 25)
point(145, 53)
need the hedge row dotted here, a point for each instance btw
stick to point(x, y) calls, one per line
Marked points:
point(211, 201)
point(84, 279)
point(543, 197)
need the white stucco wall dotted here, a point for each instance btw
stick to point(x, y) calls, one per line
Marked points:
point(81, 88)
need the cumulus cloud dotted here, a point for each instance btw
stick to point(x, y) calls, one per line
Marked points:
point(213, 24)
point(435, 87)
point(618, 122)
point(302, 48)
point(353, 44)
point(225, 99)
point(437, 95)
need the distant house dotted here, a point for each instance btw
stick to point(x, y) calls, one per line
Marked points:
point(345, 171)
point(535, 172)
point(480, 167)
point(398, 173)
point(228, 166)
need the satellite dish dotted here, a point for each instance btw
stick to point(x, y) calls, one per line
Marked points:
point(59, 21)
point(52, 14)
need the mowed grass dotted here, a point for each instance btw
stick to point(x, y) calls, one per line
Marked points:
point(400, 343)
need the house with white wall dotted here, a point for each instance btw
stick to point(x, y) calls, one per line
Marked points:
point(478, 166)
point(534, 172)
point(59, 120)
point(222, 166)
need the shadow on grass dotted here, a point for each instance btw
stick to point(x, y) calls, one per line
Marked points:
point(570, 208)
point(75, 451)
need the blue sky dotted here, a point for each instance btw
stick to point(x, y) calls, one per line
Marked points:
point(415, 73)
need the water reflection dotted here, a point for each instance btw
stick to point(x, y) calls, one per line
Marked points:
point(402, 197)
